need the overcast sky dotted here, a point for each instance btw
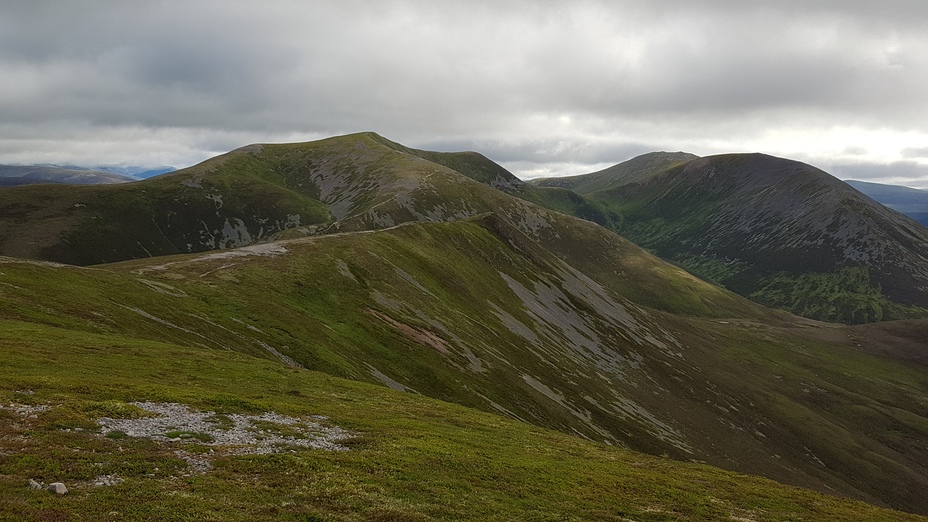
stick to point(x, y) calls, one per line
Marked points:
point(542, 87)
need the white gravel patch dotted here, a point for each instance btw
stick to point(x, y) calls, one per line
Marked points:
point(232, 434)
point(178, 417)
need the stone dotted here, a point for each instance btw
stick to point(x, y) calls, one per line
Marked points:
point(107, 480)
point(57, 488)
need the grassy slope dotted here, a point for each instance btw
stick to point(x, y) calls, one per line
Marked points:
point(513, 329)
point(413, 458)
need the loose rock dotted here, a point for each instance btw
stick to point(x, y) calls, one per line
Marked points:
point(107, 480)
point(58, 488)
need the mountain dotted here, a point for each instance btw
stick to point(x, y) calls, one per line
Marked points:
point(631, 171)
point(781, 232)
point(11, 175)
point(905, 200)
point(418, 275)
point(135, 172)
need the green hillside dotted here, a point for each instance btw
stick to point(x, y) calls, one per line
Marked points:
point(349, 183)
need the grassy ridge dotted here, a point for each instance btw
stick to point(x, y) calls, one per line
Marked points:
point(412, 459)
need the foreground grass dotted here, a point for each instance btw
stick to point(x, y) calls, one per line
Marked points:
point(412, 458)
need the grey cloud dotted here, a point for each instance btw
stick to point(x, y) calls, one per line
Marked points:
point(529, 83)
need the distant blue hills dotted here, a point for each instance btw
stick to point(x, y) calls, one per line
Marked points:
point(905, 200)
point(11, 175)
point(129, 171)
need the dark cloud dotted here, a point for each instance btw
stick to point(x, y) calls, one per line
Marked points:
point(529, 83)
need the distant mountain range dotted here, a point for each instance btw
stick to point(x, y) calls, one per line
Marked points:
point(11, 175)
point(442, 275)
point(21, 175)
point(136, 172)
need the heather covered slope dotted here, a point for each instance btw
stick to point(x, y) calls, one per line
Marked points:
point(477, 313)
point(784, 233)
